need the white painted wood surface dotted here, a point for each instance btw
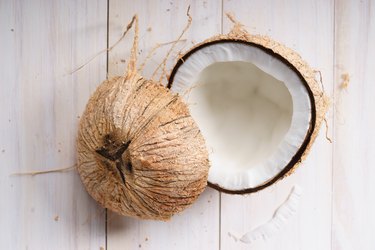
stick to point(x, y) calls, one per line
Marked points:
point(353, 188)
point(41, 41)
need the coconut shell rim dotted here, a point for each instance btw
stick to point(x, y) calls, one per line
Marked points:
point(308, 84)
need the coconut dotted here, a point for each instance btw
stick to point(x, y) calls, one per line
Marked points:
point(258, 104)
point(140, 153)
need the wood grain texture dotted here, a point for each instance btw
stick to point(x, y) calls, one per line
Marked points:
point(306, 27)
point(40, 43)
point(353, 221)
point(162, 21)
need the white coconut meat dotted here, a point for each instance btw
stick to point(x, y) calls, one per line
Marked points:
point(253, 110)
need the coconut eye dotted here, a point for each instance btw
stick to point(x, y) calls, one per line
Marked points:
point(255, 107)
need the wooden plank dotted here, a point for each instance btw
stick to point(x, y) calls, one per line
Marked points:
point(41, 41)
point(307, 27)
point(162, 21)
point(353, 185)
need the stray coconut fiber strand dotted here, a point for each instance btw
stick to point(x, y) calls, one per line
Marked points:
point(37, 172)
point(141, 67)
point(65, 169)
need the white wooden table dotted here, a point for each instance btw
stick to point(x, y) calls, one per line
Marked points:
point(41, 41)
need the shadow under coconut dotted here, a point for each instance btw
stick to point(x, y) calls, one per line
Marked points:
point(194, 220)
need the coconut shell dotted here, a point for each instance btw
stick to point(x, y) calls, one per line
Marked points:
point(319, 101)
point(140, 153)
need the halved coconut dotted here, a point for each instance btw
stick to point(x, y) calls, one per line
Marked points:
point(257, 103)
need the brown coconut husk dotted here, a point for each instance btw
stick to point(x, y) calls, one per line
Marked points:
point(319, 101)
point(140, 153)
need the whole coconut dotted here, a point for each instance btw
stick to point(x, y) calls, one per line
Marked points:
point(140, 153)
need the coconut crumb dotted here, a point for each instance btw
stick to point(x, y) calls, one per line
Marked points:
point(56, 218)
point(345, 81)
point(149, 29)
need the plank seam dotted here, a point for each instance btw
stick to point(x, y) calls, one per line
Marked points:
point(333, 114)
point(221, 31)
point(107, 69)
